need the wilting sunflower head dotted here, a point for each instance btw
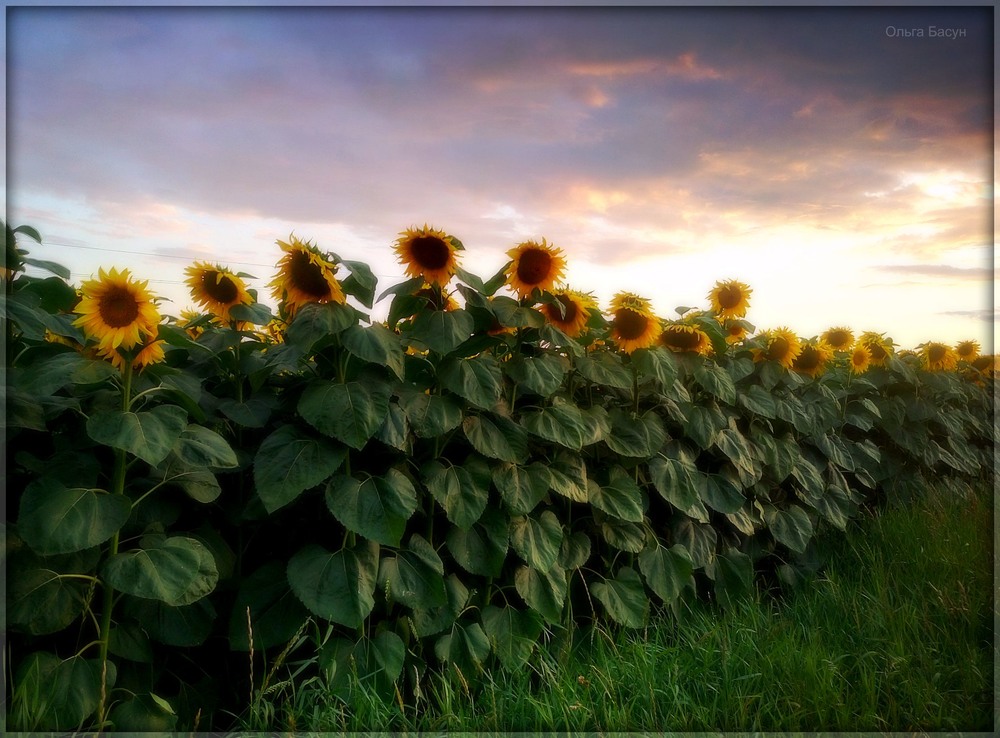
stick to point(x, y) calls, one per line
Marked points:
point(967, 350)
point(878, 345)
point(576, 308)
point(633, 325)
point(304, 275)
point(730, 299)
point(534, 265)
point(116, 311)
point(149, 353)
point(683, 337)
point(839, 338)
point(736, 330)
point(428, 253)
point(861, 359)
point(985, 364)
point(813, 358)
point(780, 345)
point(938, 357)
point(216, 288)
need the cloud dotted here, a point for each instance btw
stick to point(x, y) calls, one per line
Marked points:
point(939, 270)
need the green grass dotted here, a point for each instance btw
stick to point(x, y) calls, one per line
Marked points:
point(895, 634)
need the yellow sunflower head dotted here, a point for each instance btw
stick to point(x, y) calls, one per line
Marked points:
point(780, 345)
point(878, 346)
point(938, 357)
point(305, 275)
point(861, 359)
point(682, 337)
point(115, 310)
point(149, 353)
point(534, 265)
point(730, 299)
point(736, 330)
point(216, 288)
point(967, 350)
point(813, 358)
point(428, 253)
point(839, 338)
point(633, 325)
point(576, 309)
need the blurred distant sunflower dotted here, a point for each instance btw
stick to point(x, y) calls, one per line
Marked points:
point(780, 345)
point(428, 253)
point(839, 338)
point(736, 330)
point(534, 265)
point(985, 364)
point(634, 325)
point(216, 288)
point(730, 299)
point(150, 353)
point(861, 359)
point(116, 311)
point(682, 337)
point(576, 307)
point(967, 350)
point(304, 275)
point(813, 359)
point(938, 357)
point(878, 346)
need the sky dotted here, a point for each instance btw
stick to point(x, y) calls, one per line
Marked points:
point(837, 160)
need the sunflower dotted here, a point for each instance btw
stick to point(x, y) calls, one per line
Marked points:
point(781, 345)
point(730, 299)
point(878, 345)
point(304, 275)
point(216, 288)
point(938, 357)
point(813, 359)
point(534, 265)
point(967, 350)
point(115, 310)
point(150, 353)
point(736, 330)
point(861, 359)
point(576, 308)
point(839, 338)
point(427, 253)
point(681, 337)
point(985, 364)
point(634, 325)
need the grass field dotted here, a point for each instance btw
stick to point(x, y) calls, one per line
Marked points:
point(894, 634)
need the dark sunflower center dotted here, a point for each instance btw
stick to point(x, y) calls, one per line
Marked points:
point(778, 349)
point(936, 353)
point(221, 289)
point(965, 350)
point(569, 308)
point(878, 353)
point(981, 363)
point(430, 252)
point(118, 307)
point(534, 266)
point(307, 277)
point(630, 324)
point(681, 339)
point(859, 357)
point(730, 297)
point(809, 359)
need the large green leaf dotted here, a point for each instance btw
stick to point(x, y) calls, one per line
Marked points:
point(436, 619)
point(835, 448)
point(676, 477)
point(395, 430)
point(375, 344)
point(568, 476)
point(521, 487)
point(143, 713)
point(537, 539)
point(336, 586)
point(352, 412)
point(667, 570)
point(734, 445)
point(757, 400)
point(374, 663)
point(465, 648)
point(700, 425)
point(732, 573)
point(442, 331)
point(512, 633)
point(656, 362)
point(200, 447)
point(716, 381)
point(620, 497)
point(496, 437)
point(574, 551)
point(53, 519)
point(148, 435)
point(478, 380)
point(624, 598)
point(700, 539)
point(53, 694)
point(275, 613)
point(462, 491)
point(290, 462)
point(810, 478)
point(253, 412)
point(316, 323)
point(791, 526)
point(481, 549)
point(723, 492)
point(430, 416)
point(374, 507)
point(543, 590)
point(44, 595)
point(605, 368)
point(635, 437)
point(176, 570)
point(541, 375)
point(360, 283)
point(183, 627)
point(414, 576)
point(560, 423)
point(623, 535)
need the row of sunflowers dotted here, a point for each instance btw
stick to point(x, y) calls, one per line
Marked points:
point(206, 504)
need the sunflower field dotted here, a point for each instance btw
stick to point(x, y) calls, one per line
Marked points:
point(439, 492)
